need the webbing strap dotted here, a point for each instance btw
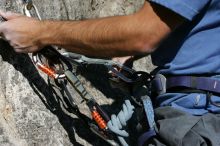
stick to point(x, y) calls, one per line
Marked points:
point(149, 111)
point(146, 136)
point(199, 83)
point(75, 82)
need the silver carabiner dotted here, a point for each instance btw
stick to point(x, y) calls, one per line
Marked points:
point(28, 7)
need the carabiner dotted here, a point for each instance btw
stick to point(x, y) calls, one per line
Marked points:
point(52, 55)
point(115, 67)
point(28, 6)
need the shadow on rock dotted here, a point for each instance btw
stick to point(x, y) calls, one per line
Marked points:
point(99, 78)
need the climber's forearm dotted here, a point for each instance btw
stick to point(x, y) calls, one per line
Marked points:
point(102, 37)
point(112, 36)
point(139, 33)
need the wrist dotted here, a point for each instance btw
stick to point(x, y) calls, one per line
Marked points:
point(49, 32)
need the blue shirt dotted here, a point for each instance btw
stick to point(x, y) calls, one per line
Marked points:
point(193, 48)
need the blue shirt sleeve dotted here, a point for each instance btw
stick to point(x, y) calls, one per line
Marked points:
point(186, 8)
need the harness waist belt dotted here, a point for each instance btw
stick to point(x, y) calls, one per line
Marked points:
point(199, 83)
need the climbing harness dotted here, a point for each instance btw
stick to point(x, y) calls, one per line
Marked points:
point(188, 84)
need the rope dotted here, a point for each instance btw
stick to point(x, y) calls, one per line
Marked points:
point(117, 122)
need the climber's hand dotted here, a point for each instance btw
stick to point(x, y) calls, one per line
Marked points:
point(23, 33)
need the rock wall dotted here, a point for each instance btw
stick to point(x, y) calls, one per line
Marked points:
point(31, 113)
